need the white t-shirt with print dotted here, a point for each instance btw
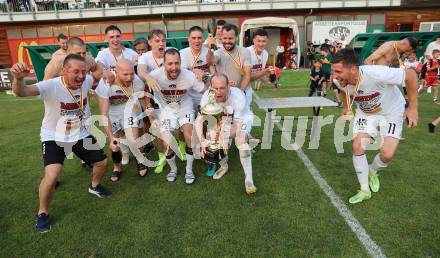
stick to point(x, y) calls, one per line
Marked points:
point(151, 62)
point(108, 60)
point(176, 90)
point(378, 91)
point(116, 96)
point(258, 62)
point(189, 62)
point(61, 120)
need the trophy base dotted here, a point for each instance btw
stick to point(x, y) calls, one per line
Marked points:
point(214, 156)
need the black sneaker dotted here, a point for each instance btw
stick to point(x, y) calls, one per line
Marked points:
point(431, 127)
point(42, 223)
point(99, 191)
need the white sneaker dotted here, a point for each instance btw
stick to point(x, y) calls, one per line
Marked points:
point(220, 172)
point(189, 178)
point(171, 177)
point(125, 158)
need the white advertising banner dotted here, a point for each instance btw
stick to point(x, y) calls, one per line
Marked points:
point(340, 31)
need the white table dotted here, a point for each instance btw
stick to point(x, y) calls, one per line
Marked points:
point(270, 104)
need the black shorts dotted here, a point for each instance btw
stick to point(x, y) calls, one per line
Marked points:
point(86, 149)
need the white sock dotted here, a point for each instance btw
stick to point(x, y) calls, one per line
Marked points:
point(124, 148)
point(360, 164)
point(189, 162)
point(377, 164)
point(224, 162)
point(172, 162)
point(246, 162)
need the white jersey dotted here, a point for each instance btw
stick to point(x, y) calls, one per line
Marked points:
point(189, 62)
point(378, 91)
point(109, 61)
point(175, 92)
point(62, 120)
point(258, 62)
point(235, 105)
point(117, 98)
point(151, 62)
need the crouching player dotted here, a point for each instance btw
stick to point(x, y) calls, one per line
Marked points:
point(120, 105)
point(239, 114)
point(380, 104)
point(176, 109)
point(64, 129)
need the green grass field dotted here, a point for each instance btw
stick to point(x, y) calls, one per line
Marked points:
point(289, 216)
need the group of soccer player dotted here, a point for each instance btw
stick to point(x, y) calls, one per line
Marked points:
point(158, 95)
point(145, 96)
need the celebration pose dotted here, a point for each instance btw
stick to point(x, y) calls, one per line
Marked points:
point(64, 129)
point(379, 104)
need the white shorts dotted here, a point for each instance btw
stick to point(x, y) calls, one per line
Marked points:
point(246, 123)
point(119, 123)
point(248, 92)
point(170, 121)
point(387, 125)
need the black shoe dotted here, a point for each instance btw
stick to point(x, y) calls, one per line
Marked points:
point(99, 191)
point(431, 127)
point(42, 223)
point(87, 166)
point(148, 148)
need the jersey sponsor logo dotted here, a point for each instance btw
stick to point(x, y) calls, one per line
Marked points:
point(72, 106)
point(369, 103)
point(172, 86)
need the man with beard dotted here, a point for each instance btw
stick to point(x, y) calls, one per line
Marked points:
point(232, 60)
point(236, 124)
point(258, 59)
point(380, 105)
point(120, 105)
point(64, 129)
point(176, 109)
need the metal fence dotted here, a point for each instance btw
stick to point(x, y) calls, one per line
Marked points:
point(20, 6)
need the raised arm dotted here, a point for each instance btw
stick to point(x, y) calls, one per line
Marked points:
point(19, 71)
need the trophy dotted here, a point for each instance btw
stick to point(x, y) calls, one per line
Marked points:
point(214, 152)
point(272, 75)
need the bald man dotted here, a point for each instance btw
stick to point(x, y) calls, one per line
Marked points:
point(77, 46)
point(120, 104)
point(233, 100)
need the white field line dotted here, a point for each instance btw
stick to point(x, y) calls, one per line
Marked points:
point(372, 248)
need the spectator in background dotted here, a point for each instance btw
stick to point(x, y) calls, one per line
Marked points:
point(326, 60)
point(431, 75)
point(317, 77)
point(433, 45)
point(280, 55)
point(326, 45)
point(310, 52)
point(293, 50)
point(410, 63)
point(62, 42)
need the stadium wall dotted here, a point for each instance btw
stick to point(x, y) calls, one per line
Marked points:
point(14, 37)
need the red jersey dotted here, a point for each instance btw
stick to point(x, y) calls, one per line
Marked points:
point(432, 63)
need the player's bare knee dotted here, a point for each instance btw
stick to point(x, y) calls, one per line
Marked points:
point(357, 146)
point(386, 155)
